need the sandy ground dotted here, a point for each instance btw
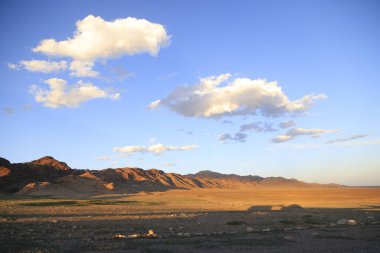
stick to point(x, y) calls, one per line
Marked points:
point(216, 220)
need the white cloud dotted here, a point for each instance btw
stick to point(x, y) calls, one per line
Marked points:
point(98, 39)
point(166, 165)
point(287, 124)
point(105, 158)
point(353, 137)
point(44, 66)
point(156, 149)
point(62, 95)
point(13, 66)
point(295, 132)
point(241, 96)
point(82, 69)
point(154, 104)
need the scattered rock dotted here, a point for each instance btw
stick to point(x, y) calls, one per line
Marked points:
point(290, 238)
point(133, 236)
point(266, 230)
point(254, 209)
point(180, 234)
point(118, 236)
point(341, 222)
point(249, 229)
point(151, 234)
point(186, 234)
point(351, 222)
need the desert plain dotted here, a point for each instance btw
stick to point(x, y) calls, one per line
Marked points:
point(251, 219)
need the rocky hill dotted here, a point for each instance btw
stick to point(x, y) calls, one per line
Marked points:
point(48, 176)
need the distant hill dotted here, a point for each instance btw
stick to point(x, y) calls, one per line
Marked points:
point(48, 176)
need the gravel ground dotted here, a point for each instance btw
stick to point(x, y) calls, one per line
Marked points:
point(67, 229)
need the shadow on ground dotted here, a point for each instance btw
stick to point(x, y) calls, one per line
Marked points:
point(260, 229)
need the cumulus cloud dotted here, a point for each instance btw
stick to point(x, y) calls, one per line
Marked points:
point(156, 149)
point(353, 137)
point(44, 66)
point(295, 132)
point(83, 69)
point(239, 137)
point(62, 95)
point(287, 124)
point(258, 127)
point(240, 96)
point(98, 39)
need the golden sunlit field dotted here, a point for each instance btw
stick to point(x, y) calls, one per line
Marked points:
point(212, 220)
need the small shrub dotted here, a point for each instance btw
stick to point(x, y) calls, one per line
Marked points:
point(236, 223)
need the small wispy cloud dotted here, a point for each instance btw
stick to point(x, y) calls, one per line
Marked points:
point(156, 149)
point(105, 158)
point(121, 73)
point(181, 130)
point(258, 127)
point(171, 75)
point(239, 137)
point(13, 66)
point(296, 132)
point(287, 124)
point(227, 122)
point(353, 137)
point(166, 165)
point(8, 110)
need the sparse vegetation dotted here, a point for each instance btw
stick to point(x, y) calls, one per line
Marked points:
point(53, 203)
point(287, 221)
point(109, 202)
point(236, 223)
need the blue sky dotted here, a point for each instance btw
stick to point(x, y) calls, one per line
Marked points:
point(212, 67)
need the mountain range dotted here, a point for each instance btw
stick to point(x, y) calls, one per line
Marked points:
point(48, 176)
